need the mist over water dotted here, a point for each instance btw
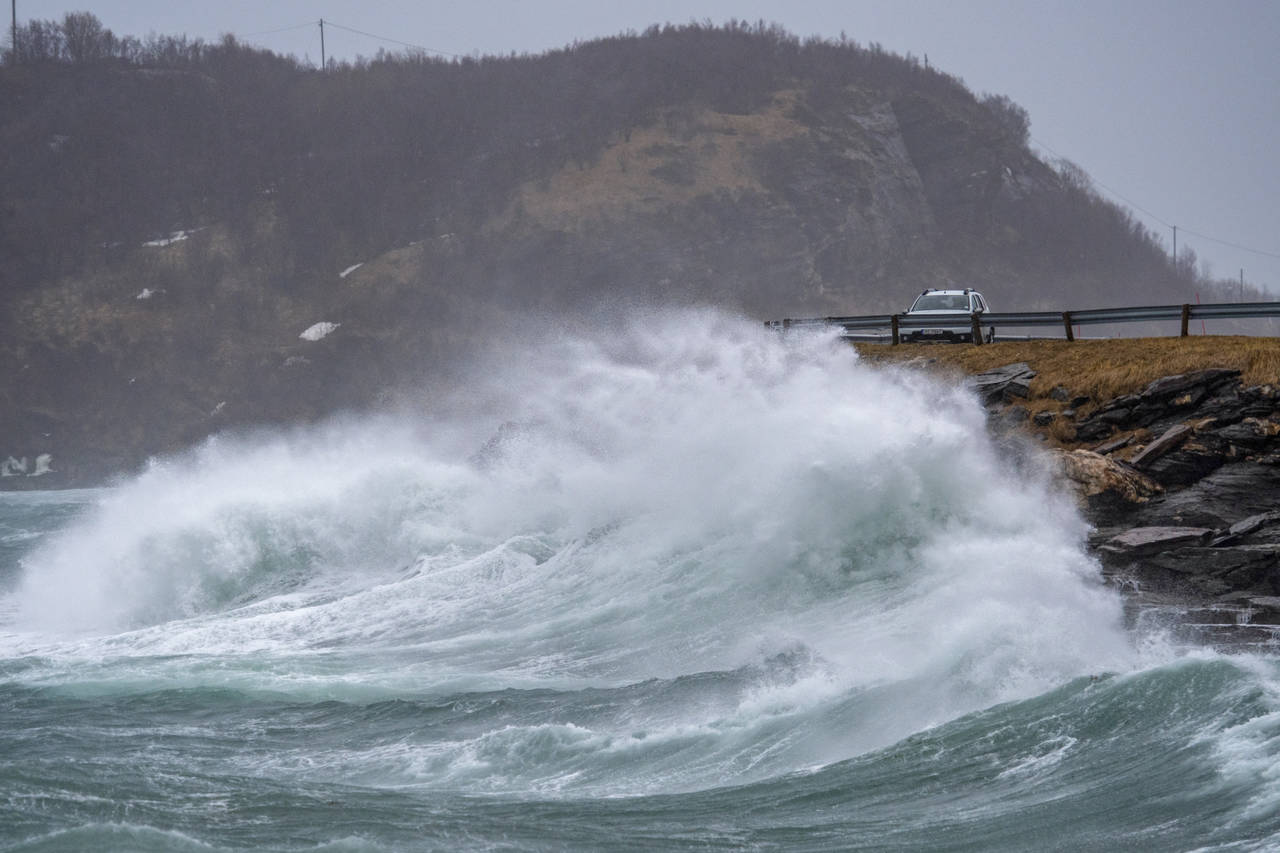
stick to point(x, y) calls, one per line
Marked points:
point(688, 496)
point(686, 556)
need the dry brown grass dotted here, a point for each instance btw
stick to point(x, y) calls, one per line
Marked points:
point(715, 148)
point(1101, 369)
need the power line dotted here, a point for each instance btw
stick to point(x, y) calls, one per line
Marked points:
point(1159, 219)
point(1232, 245)
point(281, 30)
point(1132, 204)
point(330, 23)
point(395, 41)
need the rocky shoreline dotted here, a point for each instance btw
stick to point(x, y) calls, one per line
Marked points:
point(1181, 482)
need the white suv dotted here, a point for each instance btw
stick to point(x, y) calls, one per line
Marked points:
point(967, 301)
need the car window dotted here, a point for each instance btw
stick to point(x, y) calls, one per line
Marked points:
point(941, 302)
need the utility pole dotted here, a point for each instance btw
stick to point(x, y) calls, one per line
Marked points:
point(1175, 248)
point(1242, 284)
point(323, 64)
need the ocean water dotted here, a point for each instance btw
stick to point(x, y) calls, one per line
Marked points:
point(688, 585)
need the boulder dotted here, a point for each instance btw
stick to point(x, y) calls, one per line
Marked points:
point(1249, 434)
point(1094, 430)
point(1139, 541)
point(1114, 416)
point(1108, 447)
point(1168, 387)
point(1124, 401)
point(1104, 486)
point(1172, 438)
point(1003, 383)
point(1246, 526)
point(1185, 466)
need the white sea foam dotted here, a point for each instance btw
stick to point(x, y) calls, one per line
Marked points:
point(691, 494)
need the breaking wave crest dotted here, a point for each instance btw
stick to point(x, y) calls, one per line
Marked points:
point(770, 555)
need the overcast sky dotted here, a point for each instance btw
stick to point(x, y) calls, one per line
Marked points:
point(1172, 106)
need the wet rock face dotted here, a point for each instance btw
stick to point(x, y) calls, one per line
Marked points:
point(1185, 562)
point(1184, 549)
point(1193, 514)
point(1213, 458)
point(1222, 498)
point(1138, 541)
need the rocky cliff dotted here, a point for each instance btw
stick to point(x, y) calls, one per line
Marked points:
point(1181, 480)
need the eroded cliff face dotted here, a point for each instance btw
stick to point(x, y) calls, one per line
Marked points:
point(816, 204)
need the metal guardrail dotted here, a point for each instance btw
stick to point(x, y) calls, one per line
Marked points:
point(1247, 310)
point(1067, 320)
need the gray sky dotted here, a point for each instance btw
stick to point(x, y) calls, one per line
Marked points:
point(1173, 106)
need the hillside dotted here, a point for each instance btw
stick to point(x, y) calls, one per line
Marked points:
point(176, 214)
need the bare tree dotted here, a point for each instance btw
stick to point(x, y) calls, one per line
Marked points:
point(85, 37)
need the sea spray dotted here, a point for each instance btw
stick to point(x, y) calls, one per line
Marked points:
point(807, 558)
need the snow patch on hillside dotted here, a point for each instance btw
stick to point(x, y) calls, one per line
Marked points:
point(318, 331)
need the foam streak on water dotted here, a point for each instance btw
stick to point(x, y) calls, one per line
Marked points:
point(686, 555)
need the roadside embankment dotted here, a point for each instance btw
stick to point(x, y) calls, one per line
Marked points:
point(1172, 447)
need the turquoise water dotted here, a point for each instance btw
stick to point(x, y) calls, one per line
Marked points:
point(696, 588)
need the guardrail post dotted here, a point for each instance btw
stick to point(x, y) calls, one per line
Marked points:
point(1066, 324)
point(975, 328)
point(895, 339)
point(1186, 318)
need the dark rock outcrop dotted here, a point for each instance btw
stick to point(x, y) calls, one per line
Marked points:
point(1230, 494)
point(1191, 518)
point(1139, 541)
point(1161, 404)
point(1172, 437)
point(1003, 384)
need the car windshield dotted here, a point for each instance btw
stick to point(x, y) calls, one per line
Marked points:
point(942, 302)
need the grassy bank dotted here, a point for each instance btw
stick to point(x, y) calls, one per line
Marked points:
point(1099, 370)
